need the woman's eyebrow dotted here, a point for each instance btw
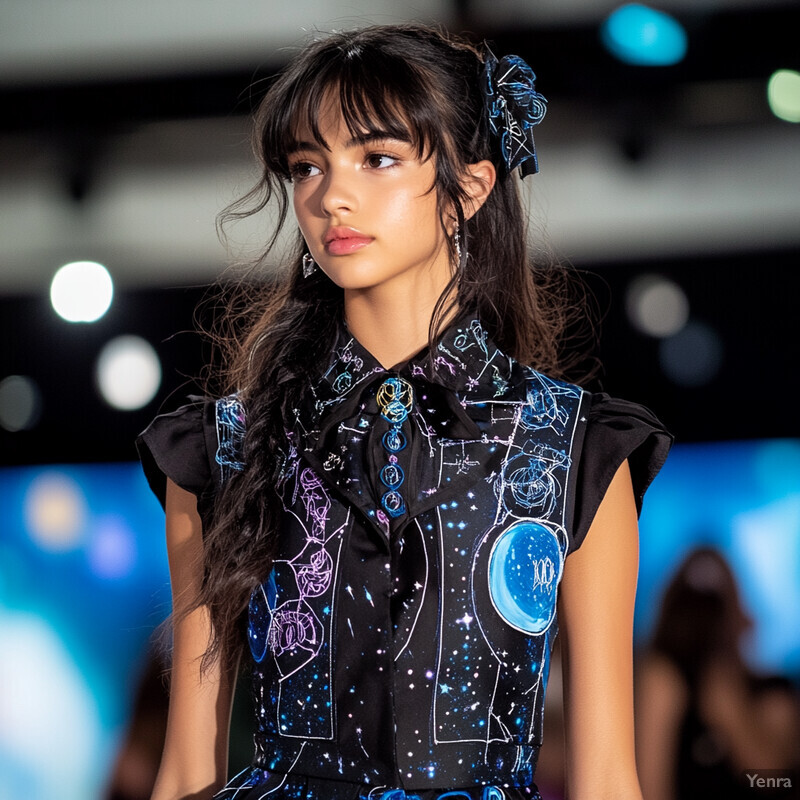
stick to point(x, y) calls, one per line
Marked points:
point(295, 146)
point(354, 141)
point(378, 136)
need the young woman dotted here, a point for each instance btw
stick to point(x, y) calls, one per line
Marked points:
point(704, 715)
point(380, 513)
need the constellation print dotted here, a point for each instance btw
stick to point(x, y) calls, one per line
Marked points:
point(316, 501)
point(474, 335)
point(443, 617)
point(513, 576)
point(314, 577)
point(346, 372)
point(291, 619)
point(230, 421)
point(548, 404)
point(293, 629)
point(344, 380)
point(529, 481)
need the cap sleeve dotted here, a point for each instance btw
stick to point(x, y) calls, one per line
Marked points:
point(616, 429)
point(181, 446)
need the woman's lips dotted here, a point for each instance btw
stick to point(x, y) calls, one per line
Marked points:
point(344, 243)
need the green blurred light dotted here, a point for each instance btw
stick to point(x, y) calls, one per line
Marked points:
point(783, 94)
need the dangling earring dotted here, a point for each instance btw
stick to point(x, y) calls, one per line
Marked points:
point(309, 265)
point(457, 244)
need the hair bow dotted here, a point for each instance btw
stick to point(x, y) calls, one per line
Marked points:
point(513, 107)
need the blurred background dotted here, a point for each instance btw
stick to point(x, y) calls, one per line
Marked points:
point(670, 174)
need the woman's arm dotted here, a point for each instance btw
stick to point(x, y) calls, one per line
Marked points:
point(195, 759)
point(596, 611)
point(661, 702)
point(756, 727)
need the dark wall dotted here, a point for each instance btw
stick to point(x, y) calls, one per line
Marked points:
point(748, 299)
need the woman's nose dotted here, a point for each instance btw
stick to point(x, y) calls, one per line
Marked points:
point(338, 192)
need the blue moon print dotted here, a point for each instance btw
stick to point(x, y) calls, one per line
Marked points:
point(524, 571)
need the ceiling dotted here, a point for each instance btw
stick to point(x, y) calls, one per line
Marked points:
point(126, 129)
point(53, 40)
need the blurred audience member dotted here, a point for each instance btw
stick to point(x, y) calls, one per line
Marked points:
point(136, 765)
point(551, 772)
point(134, 772)
point(705, 719)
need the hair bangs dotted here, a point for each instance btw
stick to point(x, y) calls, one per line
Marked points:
point(388, 99)
point(376, 93)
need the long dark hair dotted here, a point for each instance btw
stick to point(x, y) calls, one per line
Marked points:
point(701, 617)
point(414, 82)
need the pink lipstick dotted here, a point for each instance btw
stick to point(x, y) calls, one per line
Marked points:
point(342, 241)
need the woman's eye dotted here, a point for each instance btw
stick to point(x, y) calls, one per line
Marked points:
point(302, 170)
point(380, 161)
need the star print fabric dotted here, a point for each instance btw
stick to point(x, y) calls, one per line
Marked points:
point(408, 653)
point(255, 784)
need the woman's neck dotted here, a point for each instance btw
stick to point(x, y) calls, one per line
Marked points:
point(391, 331)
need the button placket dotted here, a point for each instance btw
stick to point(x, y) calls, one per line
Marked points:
point(395, 400)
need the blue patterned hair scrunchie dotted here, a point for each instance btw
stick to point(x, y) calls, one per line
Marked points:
point(513, 107)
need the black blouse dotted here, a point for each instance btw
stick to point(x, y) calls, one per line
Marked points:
point(401, 640)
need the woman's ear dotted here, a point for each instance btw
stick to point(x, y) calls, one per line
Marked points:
point(478, 185)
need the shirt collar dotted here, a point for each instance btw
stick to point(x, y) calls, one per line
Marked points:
point(464, 362)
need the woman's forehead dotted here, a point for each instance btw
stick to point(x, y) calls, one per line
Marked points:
point(319, 122)
point(346, 114)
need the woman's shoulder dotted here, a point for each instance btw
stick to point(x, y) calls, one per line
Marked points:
point(196, 446)
point(616, 430)
point(613, 425)
point(609, 420)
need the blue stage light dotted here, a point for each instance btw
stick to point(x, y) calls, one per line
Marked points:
point(640, 35)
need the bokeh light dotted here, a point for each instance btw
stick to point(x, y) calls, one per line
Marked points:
point(112, 549)
point(693, 356)
point(55, 512)
point(20, 403)
point(656, 305)
point(47, 707)
point(81, 291)
point(128, 373)
point(778, 468)
point(74, 626)
point(783, 94)
point(643, 36)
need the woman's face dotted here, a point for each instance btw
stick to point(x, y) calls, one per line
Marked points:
point(368, 209)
